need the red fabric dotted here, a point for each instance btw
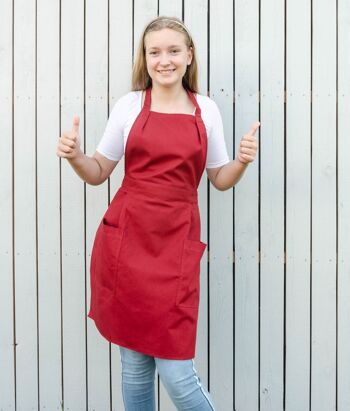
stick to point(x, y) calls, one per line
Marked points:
point(145, 262)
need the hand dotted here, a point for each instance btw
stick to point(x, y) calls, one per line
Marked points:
point(69, 142)
point(248, 145)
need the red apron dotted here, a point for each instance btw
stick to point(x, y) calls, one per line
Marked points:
point(145, 262)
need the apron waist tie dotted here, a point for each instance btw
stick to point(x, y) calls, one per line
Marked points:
point(161, 190)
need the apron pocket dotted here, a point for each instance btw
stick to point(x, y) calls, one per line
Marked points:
point(189, 282)
point(106, 254)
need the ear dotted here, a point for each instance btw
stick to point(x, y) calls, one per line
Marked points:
point(190, 56)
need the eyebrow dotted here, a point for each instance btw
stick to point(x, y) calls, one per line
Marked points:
point(170, 47)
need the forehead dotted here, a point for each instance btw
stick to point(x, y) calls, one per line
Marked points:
point(164, 38)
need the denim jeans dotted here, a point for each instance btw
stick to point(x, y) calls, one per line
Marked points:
point(179, 378)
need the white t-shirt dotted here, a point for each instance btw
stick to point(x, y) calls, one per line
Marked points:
point(127, 108)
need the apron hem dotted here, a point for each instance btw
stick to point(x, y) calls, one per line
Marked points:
point(145, 351)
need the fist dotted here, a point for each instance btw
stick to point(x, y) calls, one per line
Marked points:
point(69, 142)
point(248, 145)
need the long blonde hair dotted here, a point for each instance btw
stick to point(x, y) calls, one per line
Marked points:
point(140, 77)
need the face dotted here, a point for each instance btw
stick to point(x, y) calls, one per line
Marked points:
point(167, 56)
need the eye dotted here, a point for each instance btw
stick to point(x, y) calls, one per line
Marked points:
point(175, 51)
point(152, 52)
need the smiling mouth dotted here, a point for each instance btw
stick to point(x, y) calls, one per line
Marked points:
point(165, 71)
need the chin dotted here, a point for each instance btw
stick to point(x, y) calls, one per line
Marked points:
point(167, 82)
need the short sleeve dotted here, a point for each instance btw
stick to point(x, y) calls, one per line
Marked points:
point(112, 142)
point(217, 151)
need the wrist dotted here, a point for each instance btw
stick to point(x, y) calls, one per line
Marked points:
point(241, 163)
point(76, 160)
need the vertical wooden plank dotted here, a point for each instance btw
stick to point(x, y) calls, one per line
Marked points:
point(221, 290)
point(272, 206)
point(119, 82)
point(72, 203)
point(171, 9)
point(129, 17)
point(343, 207)
point(122, 44)
point(323, 366)
point(7, 372)
point(298, 186)
point(25, 205)
point(49, 298)
point(96, 38)
point(144, 12)
point(196, 18)
point(246, 222)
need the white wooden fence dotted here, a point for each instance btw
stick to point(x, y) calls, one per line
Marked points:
point(274, 325)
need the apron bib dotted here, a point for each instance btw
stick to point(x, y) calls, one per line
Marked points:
point(145, 261)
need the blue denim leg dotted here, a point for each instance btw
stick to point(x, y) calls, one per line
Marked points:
point(138, 373)
point(183, 385)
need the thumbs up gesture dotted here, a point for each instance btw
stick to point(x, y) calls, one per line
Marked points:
point(69, 142)
point(248, 145)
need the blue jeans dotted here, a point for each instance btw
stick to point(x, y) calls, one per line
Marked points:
point(178, 376)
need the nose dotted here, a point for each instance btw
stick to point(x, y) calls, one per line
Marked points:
point(164, 60)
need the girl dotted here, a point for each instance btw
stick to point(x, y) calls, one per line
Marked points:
point(146, 255)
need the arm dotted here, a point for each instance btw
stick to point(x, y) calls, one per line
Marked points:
point(93, 170)
point(226, 176)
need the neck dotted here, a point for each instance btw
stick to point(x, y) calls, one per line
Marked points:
point(167, 94)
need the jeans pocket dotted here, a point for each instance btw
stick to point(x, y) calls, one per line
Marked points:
point(188, 289)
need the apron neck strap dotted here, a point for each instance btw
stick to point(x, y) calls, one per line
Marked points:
point(201, 128)
point(147, 103)
point(194, 101)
